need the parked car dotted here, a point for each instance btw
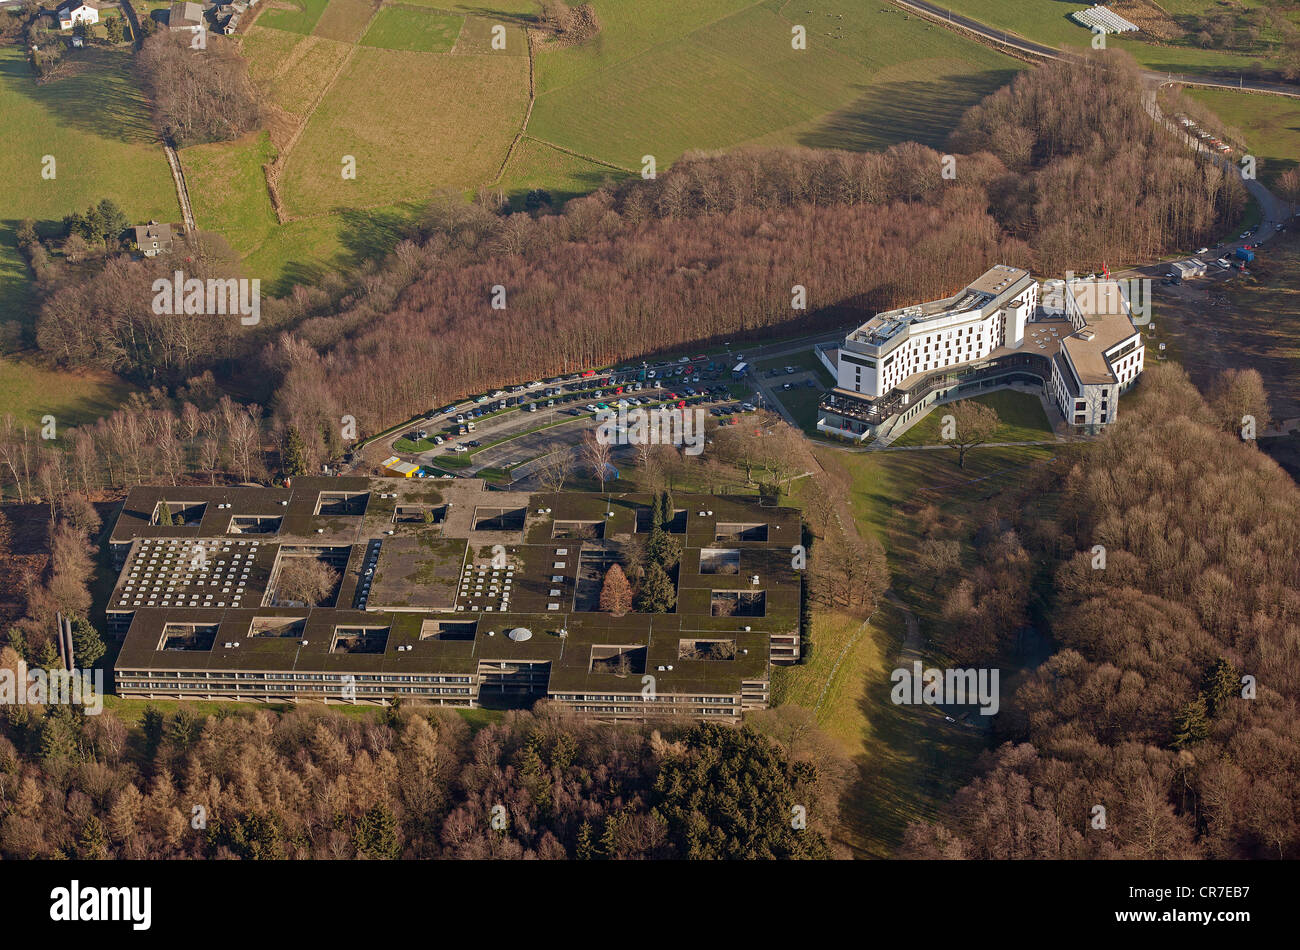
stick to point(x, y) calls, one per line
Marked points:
point(458, 449)
point(438, 440)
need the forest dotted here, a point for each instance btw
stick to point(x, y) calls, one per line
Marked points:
point(1170, 701)
point(410, 783)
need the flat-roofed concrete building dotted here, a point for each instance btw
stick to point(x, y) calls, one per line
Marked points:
point(447, 593)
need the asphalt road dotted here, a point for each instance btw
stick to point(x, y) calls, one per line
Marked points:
point(1029, 47)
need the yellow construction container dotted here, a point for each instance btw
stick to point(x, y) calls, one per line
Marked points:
point(395, 466)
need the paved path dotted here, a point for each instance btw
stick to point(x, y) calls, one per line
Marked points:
point(182, 192)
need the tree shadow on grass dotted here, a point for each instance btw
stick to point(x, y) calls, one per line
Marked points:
point(366, 234)
point(910, 767)
point(97, 94)
point(923, 110)
point(585, 183)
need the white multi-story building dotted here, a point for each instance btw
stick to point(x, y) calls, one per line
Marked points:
point(896, 345)
point(892, 368)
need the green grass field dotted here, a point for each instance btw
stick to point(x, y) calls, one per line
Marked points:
point(1023, 420)
point(723, 73)
point(407, 146)
point(535, 164)
point(657, 79)
point(1270, 126)
point(31, 391)
point(410, 28)
point(96, 125)
point(300, 19)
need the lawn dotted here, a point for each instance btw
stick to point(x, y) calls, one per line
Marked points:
point(1268, 125)
point(96, 125)
point(723, 73)
point(535, 164)
point(301, 18)
point(1022, 416)
point(31, 391)
point(411, 28)
point(407, 146)
point(223, 180)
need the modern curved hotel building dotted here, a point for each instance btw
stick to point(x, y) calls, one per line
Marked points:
point(1083, 352)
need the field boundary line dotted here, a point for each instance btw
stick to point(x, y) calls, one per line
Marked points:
point(528, 113)
point(588, 158)
point(275, 167)
point(830, 677)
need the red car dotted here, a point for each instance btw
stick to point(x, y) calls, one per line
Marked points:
point(587, 374)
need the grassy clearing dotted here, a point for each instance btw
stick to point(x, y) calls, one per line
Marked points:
point(266, 49)
point(724, 73)
point(846, 653)
point(908, 761)
point(406, 145)
point(222, 180)
point(535, 164)
point(911, 762)
point(296, 16)
point(297, 82)
point(410, 28)
point(1023, 420)
point(96, 125)
point(30, 391)
point(887, 487)
point(1270, 126)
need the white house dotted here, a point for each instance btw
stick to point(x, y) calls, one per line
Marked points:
point(75, 11)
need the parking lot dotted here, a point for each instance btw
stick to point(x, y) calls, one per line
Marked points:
point(521, 423)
